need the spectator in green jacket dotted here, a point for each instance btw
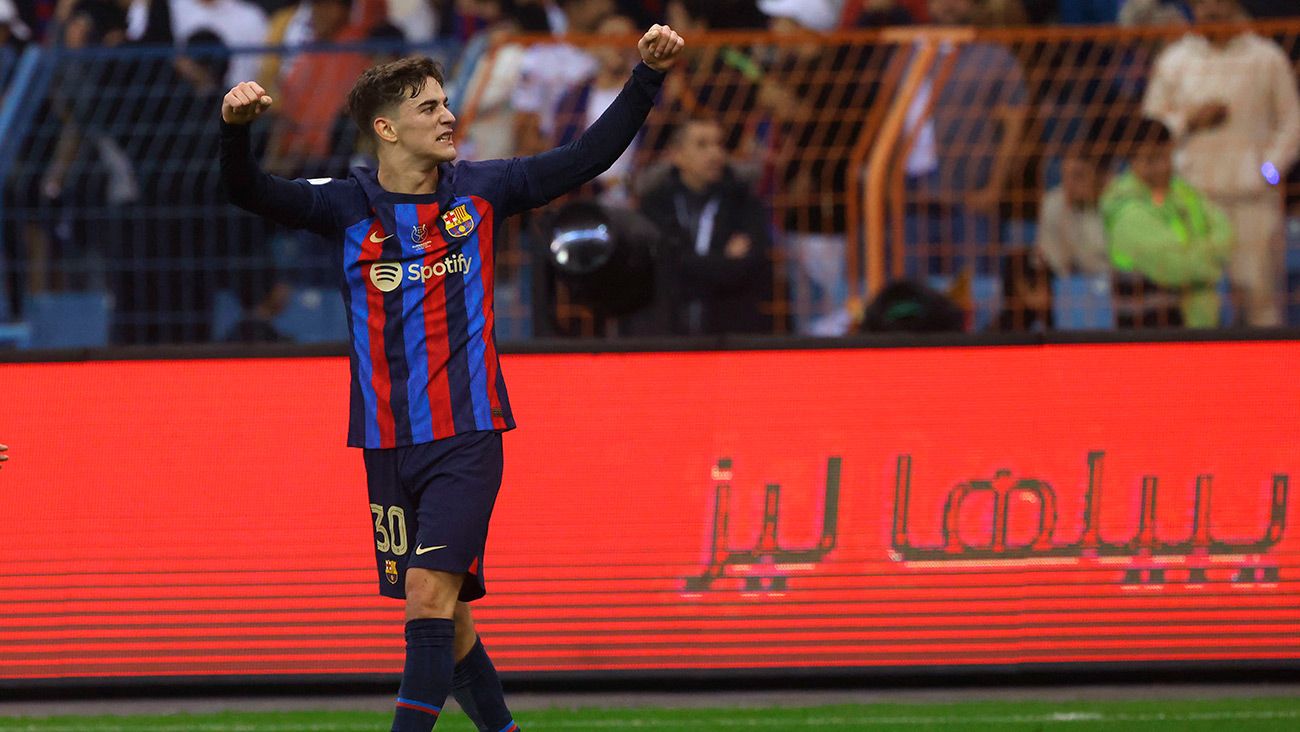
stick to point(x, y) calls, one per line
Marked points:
point(1162, 229)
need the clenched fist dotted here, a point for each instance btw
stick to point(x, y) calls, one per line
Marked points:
point(244, 103)
point(660, 47)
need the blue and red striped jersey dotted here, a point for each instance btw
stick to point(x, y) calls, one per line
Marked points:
point(417, 270)
point(418, 285)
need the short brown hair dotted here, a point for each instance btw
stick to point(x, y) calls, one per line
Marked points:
point(387, 84)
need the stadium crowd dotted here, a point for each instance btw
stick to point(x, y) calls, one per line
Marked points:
point(743, 198)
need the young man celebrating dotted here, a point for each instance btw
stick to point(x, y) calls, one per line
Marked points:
point(428, 399)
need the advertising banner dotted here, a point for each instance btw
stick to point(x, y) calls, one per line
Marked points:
point(811, 509)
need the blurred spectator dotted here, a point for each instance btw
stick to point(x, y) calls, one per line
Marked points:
point(490, 122)
point(904, 306)
point(999, 13)
point(303, 139)
point(1138, 13)
point(1230, 100)
point(1165, 234)
point(88, 166)
point(583, 104)
point(964, 148)
point(876, 14)
point(715, 14)
point(1071, 237)
point(812, 160)
point(261, 297)
point(717, 235)
point(291, 28)
point(550, 70)
point(817, 15)
point(237, 23)
point(149, 22)
point(716, 80)
point(14, 33)
point(295, 26)
point(164, 277)
point(417, 19)
point(1026, 292)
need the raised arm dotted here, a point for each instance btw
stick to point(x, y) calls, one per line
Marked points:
point(294, 203)
point(556, 172)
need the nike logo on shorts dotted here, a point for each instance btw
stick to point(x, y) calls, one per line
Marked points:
point(426, 549)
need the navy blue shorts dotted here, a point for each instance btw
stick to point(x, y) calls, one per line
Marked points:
point(430, 504)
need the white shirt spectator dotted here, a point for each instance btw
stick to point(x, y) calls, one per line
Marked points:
point(1071, 238)
point(618, 178)
point(549, 70)
point(238, 23)
point(415, 18)
point(1253, 77)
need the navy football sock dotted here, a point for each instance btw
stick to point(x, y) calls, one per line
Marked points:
point(427, 678)
point(478, 691)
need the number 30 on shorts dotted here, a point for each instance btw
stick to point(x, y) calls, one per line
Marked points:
point(390, 528)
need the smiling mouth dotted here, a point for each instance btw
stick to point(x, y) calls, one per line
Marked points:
point(445, 137)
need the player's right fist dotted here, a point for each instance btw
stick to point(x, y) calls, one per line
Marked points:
point(244, 102)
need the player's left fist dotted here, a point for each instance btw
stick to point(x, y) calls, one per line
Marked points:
point(660, 47)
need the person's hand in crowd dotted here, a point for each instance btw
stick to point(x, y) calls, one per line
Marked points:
point(245, 102)
point(660, 47)
point(1207, 116)
point(738, 246)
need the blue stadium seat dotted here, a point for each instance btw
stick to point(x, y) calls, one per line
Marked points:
point(1227, 308)
point(1083, 302)
point(314, 315)
point(225, 313)
point(68, 319)
point(15, 335)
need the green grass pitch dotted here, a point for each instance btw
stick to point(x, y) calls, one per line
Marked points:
point(1237, 715)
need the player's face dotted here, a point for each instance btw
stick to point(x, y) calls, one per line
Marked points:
point(425, 125)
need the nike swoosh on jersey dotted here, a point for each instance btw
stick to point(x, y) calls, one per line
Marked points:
point(373, 240)
point(426, 549)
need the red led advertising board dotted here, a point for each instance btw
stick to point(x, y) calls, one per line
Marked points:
point(879, 508)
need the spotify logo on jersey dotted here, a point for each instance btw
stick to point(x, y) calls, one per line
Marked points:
point(386, 275)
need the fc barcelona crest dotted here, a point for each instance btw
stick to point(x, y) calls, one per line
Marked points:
point(458, 221)
point(390, 570)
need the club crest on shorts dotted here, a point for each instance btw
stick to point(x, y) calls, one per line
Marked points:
point(390, 570)
point(458, 221)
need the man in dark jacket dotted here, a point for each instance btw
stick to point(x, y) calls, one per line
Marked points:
point(718, 236)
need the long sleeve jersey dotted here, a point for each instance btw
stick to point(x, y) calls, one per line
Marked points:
point(416, 271)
